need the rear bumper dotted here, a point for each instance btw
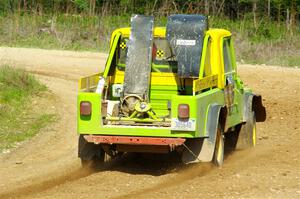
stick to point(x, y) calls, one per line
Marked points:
point(160, 141)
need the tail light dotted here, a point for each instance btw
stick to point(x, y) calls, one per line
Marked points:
point(85, 108)
point(154, 51)
point(183, 111)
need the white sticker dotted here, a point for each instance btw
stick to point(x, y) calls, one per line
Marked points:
point(177, 125)
point(117, 89)
point(185, 42)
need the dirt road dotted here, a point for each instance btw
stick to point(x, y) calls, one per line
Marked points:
point(47, 166)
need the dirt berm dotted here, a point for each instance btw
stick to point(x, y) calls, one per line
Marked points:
point(47, 166)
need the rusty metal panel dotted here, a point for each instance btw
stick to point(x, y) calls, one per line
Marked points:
point(185, 34)
point(142, 148)
point(139, 56)
point(97, 139)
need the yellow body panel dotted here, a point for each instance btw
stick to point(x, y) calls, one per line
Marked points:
point(158, 32)
point(89, 82)
point(204, 83)
point(216, 36)
point(167, 79)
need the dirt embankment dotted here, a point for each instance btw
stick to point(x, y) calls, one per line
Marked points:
point(47, 166)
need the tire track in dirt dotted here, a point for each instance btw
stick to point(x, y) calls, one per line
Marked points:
point(198, 171)
point(41, 186)
point(59, 178)
point(193, 171)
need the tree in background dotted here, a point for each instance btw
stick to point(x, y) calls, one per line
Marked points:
point(276, 10)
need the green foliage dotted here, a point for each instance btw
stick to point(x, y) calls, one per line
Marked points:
point(234, 9)
point(18, 119)
point(77, 32)
point(4, 5)
point(266, 30)
point(82, 5)
point(16, 85)
point(87, 24)
point(20, 128)
point(69, 32)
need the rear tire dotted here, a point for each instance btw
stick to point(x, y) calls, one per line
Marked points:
point(91, 155)
point(218, 157)
point(93, 163)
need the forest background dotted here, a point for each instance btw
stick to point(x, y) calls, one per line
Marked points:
point(265, 31)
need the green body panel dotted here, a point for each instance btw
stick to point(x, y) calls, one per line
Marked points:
point(198, 104)
point(236, 116)
point(160, 96)
point(93, 125)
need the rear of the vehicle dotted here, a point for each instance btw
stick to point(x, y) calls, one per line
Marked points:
point(152, 95)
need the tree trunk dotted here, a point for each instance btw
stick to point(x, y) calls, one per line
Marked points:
point(221, 7)
point(293, 13)
point(254, 12)
point(287, 21)
point(68, 8)
point(25, 5)
point(214, 7)
point(39, 8)
point(90, 8)
point(237, 9)
point(206, 4)
point(269, 9)
point(19, 6)
point(153, 8)
point(94, 7)
point(12, 6)
point(279, 13)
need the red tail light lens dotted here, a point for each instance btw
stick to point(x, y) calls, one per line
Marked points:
point(85, 108)
point(154, 51)
point(183, 111)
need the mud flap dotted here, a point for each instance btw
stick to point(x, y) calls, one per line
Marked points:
point(139, 56)
point(202, 149)
point(258, 108)
point(244, 139)
point(253, 102)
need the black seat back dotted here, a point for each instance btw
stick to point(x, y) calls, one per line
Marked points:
point(185, 34)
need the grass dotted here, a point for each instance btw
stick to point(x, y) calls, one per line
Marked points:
point(67, 32)
point(19, 120)
point(269, 42)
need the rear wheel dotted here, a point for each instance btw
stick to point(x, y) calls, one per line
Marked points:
point(91, 155)
point(92, 163)
point(218, 157)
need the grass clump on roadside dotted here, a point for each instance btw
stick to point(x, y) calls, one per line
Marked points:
point(18, 119)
